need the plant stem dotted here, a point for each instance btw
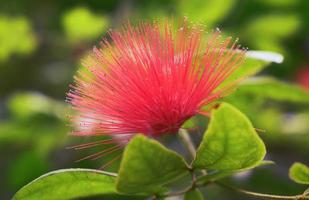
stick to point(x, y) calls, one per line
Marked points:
point(179, 193)
point(264, 196)
point(188, 143)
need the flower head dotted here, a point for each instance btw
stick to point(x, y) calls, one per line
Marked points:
point(151, 78)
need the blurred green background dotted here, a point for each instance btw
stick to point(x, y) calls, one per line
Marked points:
point(42, 42)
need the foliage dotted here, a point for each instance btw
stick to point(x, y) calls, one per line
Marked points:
point(270, 88)
point(140, 173)
point(208, 12)
point(68, 184)
point(230, 142)
point(12, 28)
point(299, 173)
point(81, 24)
point(194, 194)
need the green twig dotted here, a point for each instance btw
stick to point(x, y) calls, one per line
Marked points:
point(187, 142)
point(189, 145)
point(263, 196)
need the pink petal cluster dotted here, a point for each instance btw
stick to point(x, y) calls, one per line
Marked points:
point(151, 78)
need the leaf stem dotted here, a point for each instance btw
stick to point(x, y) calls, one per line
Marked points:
point(263, 196)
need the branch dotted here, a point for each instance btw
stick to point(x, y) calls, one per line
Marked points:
point(188, 143)
point(263, 196)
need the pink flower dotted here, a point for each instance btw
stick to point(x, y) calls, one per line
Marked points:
point(150, 79)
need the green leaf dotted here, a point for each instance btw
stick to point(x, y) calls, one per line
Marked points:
point(68, 184)
point(230, 142)
point(12, 28)
point(299, 173)
point(81, 24)
point(27, 104)
point(273, 89)
point(194, 195)
point(147, 165)
point(208, 12)
point(270, 26)
point(269, 32)
point(249, 68)
point(254, 63)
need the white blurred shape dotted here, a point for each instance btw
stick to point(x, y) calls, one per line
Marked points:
point(265, 56)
